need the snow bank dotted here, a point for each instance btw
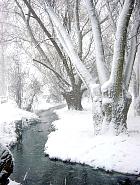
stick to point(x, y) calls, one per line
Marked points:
point(13, 183)
point(9, 113)
point(74, 141)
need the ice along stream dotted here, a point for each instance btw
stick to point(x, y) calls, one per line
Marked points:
point(33, 168)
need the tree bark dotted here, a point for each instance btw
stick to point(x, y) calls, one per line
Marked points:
point(97, 112)
point(116, 100)
point(73, 98)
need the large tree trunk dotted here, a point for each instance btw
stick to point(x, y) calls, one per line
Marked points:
point(102, 71)
point(73, 98)
point(115, 110)
point(119, 113)
point(97, 112)
point(112, 102)
point(116, 100)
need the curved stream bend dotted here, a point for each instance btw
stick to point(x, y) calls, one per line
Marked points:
point(33, 168)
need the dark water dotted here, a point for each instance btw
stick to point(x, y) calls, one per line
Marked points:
point(33, 168)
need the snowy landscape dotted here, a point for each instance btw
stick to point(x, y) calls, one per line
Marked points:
point(74, 141)
point(70, 92)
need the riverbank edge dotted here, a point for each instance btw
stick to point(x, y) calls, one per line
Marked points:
point(26, 124)
point(56, 156)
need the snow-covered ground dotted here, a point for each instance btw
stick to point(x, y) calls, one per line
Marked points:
point(9, 113)
point(13, 183)
point(74, 141)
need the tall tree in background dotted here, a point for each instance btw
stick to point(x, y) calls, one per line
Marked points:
point(16, 86)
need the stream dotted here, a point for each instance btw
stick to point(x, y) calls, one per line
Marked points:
point(33, 168)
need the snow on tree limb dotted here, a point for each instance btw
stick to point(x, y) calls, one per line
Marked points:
point(120, 44)
point(66, 42)
point(133, 47)
point(99, 50)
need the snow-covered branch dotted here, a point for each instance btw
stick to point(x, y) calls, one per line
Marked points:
point(69, 48)
point(99, 50)
point(120, 44)
point(133, 47)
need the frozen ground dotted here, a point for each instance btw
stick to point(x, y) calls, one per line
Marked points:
point(74, 141)
point(9, 113)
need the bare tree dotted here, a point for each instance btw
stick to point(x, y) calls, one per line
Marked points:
point(16, 84)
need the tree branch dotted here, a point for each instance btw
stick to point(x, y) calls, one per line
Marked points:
point(57, 74)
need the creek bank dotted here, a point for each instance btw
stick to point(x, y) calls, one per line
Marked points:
point(74, 141)
point(40, 170)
